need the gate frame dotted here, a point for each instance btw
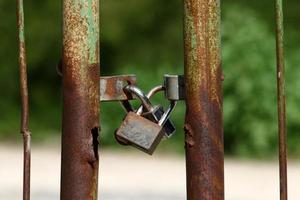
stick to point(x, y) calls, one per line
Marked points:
point(204, 102)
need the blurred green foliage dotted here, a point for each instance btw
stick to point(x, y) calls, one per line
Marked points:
point(145, 38)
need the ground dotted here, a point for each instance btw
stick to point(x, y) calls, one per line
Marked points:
point(136, 176)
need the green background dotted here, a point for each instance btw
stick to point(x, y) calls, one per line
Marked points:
point(145, 37)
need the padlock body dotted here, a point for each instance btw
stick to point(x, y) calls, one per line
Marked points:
point(155, 115)
point(140, 132)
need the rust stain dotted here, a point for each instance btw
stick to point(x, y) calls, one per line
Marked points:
point(111, 87)
point(203, 50)
point(203, 81)
point(189, 136)
point(81, 96)
point(140, 133)
point(222, 77)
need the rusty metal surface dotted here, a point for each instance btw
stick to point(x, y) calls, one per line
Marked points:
point(140, 133)
point(203, 82)
point(282, 132)
point(111, 87)
point(25, 101)
point(81, 96)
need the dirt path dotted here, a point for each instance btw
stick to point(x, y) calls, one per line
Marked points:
point(135, 176)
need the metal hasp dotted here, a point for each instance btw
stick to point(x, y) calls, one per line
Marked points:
point(174, 87)
point(111, 87)
point(281, 100)
point(203, 83)
point(81, 96)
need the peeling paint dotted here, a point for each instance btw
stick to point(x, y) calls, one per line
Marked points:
point(21, 21)
point(81, 96)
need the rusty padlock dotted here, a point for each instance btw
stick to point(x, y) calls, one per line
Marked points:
point(139, 131)
point(158, 112)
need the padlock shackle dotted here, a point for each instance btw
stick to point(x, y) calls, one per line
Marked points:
point(152, 92)
point(140, 95)
point(155, 90)
point(167, 114)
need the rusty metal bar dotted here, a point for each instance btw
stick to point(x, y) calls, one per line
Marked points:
point(25, 101)
point(282, 132)
point(203, 81)
point(111, 87)
point(81, 96)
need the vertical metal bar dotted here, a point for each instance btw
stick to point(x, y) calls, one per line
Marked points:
point(25, 101)
point(281, 100)
point(81, 87)
point(203, 126)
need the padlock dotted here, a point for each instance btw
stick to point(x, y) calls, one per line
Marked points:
point(139, 131)
point(158, 112)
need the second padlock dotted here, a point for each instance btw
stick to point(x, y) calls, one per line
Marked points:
point(139, 131)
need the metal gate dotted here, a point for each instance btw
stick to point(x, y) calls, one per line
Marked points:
point(202, 88)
